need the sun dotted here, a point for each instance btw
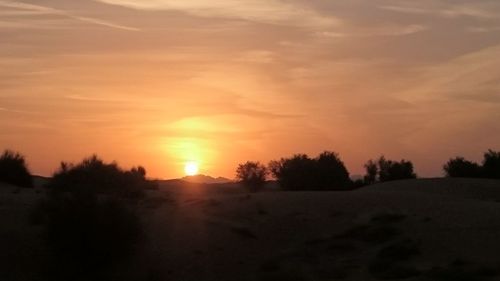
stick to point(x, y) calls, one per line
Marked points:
point(191, 168)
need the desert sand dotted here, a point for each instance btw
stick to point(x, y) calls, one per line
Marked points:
point(426, 229)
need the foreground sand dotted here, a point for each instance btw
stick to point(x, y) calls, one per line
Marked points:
point(428, 229)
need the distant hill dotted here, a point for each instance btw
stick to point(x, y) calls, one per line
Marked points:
point(205, 179)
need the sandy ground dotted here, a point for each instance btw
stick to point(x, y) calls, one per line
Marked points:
point(425, 229)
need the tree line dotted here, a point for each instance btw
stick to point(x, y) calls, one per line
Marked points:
point(328, 172)
point(298, 172)
point(462, 168)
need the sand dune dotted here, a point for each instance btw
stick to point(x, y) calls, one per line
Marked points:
point(424, 229)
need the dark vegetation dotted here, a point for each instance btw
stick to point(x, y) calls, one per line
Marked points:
point(93, 176)
point(88, 235)
point(13, 169)
point(325, 172)
point(459, 167)
point(89, 217)
point(383, 170)
point(252, 175)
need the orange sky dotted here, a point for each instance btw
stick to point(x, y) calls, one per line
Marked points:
point(163, 82)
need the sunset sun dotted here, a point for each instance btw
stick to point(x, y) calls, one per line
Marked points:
point(191, 168)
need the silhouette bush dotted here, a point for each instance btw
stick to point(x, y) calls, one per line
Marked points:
point(13, 169)
point(462, 168)
point(325, 172)
point(371, 172)
point(92, 175)
point(88, 235)
point(392, 170)
point(459, 167)
point(491, 165)
point(89, 217)
point(332, 172)
point(384, 170)
point(252, 175)
point(295, 173)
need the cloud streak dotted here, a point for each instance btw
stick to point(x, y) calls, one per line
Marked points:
point(30, 9)
point(477, 11)
point(377, 31)
point(263, 11)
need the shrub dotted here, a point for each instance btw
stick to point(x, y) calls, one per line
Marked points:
point(392, 170)
point(252, 175)
point(384, 170)
point(89, 218)
point(13, 169)
point(94, 176)
point(462, 168)
point(371, 172)
point(87, 235)
point(325, 172)
point(295, 173)
point(331, 171)
point(491, 164)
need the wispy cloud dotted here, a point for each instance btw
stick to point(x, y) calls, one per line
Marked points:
point(264, 11)
point(7, 110)
point(30, 9)
point(474, 10)
point(483, 29)
point(472, 75)
point(393, 30)
point(106, 99)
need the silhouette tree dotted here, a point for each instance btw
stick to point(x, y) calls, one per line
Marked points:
point(325, 172)
point(252, 175)
point(387, 170)
point(392, 170)
point(371, 172)
point(491, 164)
point(295, 173)
point(459, 167)
point(13, 169)
point(331, 171)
